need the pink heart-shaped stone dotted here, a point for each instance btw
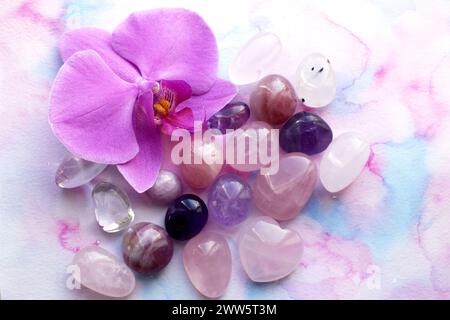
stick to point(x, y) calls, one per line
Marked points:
point(267, 251)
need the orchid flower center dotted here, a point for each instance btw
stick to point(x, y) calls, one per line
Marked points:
point(164, 102)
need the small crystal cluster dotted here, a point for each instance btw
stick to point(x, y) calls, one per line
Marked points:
point(267, 251)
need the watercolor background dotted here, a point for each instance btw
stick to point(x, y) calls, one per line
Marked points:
point(385, 237)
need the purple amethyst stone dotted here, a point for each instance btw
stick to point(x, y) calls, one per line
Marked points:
point(229, 200)
point(233, 116)
point(305, 132)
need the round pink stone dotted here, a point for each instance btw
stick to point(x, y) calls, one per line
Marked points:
point(284, 194)
point(207, 261)
point(249, 160)
point(268, 252)
point(201, 175)
point(100, 271)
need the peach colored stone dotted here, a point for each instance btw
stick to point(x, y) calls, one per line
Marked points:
point(207, 261)
point(268, 252)
point(284, 194)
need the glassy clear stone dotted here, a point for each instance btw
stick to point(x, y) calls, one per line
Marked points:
point(74, 172)
point(254, 57)
point(112, 207)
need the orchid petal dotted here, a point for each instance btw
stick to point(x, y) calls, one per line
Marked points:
point(169, 44)
point(206, 105)
point(91, 110)
point(181, 90)
point(99, 41)
point(183, 119)
point(142, 171)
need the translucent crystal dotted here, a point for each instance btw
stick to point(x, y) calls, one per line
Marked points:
point(74, 172)
point(112, 207)
point(254, 57)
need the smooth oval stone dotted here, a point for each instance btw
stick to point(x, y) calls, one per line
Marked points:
point(201, 175)
point(186, 217)
point(246, 155)
point(283, 195)
point(74, 172)
point(166, 189)
point(233, 116)
point(343, 162)
point(268, 252)
point(229, 200)
point(254, 58)
point(273, 100)
point(207, 261)
point(100, 271)
point(147, 248)
point(305, 132)
point(112, 207)
point(316, 83)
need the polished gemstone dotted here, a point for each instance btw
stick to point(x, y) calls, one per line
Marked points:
point(229, 200)
point(344, 160)
point(100, 271)
point(273, 100)
point(305, 132)
point(74, 172)
point(147, 248)
point(255, 58)
point(267, 251)
point(186, 217)
point(233, 116)
point(283, 195)
point(166, 189)
point(112, 207)
point(316, 83)
point(251, 145)
point(201, 174)
point(207, 261)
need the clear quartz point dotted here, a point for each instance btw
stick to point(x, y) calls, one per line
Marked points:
point(254, 58)
point(112, 207)
point(74, 172)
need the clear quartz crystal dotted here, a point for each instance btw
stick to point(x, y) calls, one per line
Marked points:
point(112, 207)
point(74, 172)
point(254, 58)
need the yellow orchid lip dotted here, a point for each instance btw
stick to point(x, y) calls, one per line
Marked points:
point(162, 107)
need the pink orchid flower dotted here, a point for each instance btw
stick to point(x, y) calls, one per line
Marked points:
point(116, 93)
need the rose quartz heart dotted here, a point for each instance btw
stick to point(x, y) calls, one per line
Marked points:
point(100, 271)
point(268, 252)
point(207, 261)
point(284, 194)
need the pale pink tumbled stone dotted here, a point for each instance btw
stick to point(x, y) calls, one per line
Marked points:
point(201, 175)
point(100, 271)
point(207, 261)
point(343, 161)
point(249, 142)
point(268, 252)
point(284, 194)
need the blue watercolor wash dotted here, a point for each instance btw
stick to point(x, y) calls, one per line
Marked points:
point(82, 13)
point(405, 178)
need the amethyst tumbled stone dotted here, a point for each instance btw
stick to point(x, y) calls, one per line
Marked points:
point(305, 132)
point(147, 248)
point(229, 200)
point(186, 217)
point(233, 116)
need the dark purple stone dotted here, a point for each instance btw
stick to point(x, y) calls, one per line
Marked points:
point(186, 217)
point(233, 116)
point(305, 132)
point(147, 248)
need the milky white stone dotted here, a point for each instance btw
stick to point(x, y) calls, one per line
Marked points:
point(254, 58)
point(112, 207)
point(99, 270)
point(343, 161)
point(315, 81)
point(74, 172)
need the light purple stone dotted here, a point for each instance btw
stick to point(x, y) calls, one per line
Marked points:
point(233, 116)
point(229, 200)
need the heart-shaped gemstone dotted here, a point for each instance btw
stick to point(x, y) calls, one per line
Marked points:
point(284, 194)
point(268, 252)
